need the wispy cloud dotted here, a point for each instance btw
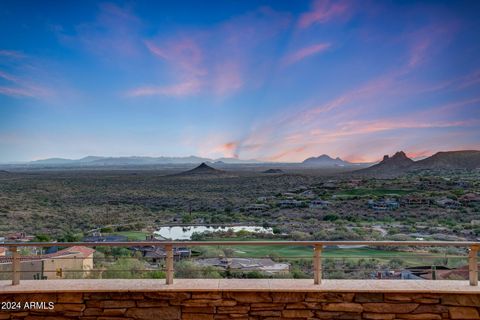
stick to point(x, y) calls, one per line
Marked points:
point(323, 11)
point(306, 52)
point(457, 83)
point(228, 78)
point(12, 54)
point(22, 87)
point(429, 40)
point(355, 128)
point(23, 75)
point(418, 52)
point(114, 34)
point(184, 54)
point(233, 56)
point(333, 126)
point(184, 57)
point(177, 90)
point(286, 154)
point(357, 140)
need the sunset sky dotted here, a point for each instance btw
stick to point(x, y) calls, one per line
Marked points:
point(267, 80)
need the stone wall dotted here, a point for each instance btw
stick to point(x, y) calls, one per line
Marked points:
point(242, 305)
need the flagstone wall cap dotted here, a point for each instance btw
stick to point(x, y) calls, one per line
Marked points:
point(266, 285)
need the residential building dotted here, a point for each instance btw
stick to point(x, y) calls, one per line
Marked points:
point(290, 203)
point(257, 207)
point(415, 200)
point(384, 204)
point(155, 254)
point(18, 237)
point(447, 203)
point(73, 262)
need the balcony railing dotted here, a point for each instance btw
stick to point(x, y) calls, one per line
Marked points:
point(318, 246)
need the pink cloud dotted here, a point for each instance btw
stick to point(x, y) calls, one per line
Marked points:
point(23, 87)
point(373, 88)
point(177, 90)
point(294, 136)
point(228, 149)
point(418, 154)
point(306, 52)
point(358, 141)
point(287, 154)
point(184, 58)
point(324, 11)
point(354, 128)
point(418, 52)
point(233, 55)
point(184, 54)
point(315, 130)
point(216, 146)
point(457, 83)
point(318, 128)
point(427, 41)
point(227, 78)
point(469, 80)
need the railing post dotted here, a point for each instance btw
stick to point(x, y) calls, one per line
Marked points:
point(15, 266)
point(473, 266)
point(169, 264)
point(317, 264)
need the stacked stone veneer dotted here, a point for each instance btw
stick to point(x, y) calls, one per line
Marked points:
point(247, 305)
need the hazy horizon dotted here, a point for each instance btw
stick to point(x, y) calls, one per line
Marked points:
point(276, 81)
point(412, 156)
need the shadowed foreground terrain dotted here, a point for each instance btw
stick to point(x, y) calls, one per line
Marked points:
point(55, 201)
point(299, 202)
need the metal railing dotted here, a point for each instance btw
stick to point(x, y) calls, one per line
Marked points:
point(317, 246)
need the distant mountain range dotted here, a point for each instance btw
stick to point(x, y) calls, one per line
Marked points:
point(321, 161)
point(129, 161)
point(399, 163)
point(326, 161)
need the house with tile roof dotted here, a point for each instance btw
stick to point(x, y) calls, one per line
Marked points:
point(72, 262)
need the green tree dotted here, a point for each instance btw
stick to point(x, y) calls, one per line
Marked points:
point(42, 238)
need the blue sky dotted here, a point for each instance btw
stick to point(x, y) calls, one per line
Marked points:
point(271, 80)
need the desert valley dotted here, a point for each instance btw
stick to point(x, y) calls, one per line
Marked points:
point(436, 198)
